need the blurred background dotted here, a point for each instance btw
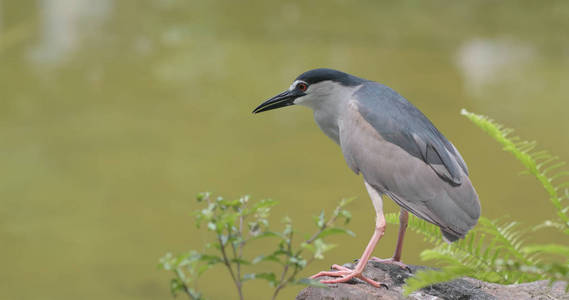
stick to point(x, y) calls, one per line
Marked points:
point(115, 114)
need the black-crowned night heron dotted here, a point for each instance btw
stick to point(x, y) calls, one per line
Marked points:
point(397, 149)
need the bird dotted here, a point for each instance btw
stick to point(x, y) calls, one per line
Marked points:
point(397, 150)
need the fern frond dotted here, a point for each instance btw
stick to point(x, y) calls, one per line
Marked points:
point(508, 237)
point(430, 232)
point(548, 248)
point(540, 164)
point(391, 218)
point(488, 248)
point(424, 278)
point(491, 252)
point(495, 251)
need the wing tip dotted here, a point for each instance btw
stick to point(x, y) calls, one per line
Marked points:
point(450, 237)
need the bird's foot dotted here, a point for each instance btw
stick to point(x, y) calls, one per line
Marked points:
point(391, 261)
point(345, 275)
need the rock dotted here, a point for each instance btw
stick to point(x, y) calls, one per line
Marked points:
point(462, 288)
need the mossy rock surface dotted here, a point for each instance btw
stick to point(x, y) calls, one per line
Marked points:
point(463, 288)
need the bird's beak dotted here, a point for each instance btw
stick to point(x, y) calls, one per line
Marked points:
point(283, 99)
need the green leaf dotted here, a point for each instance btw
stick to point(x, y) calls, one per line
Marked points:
point(335, 230)
point(548, 248)
point(308, 246)
point(287, 232)
point(225, 219)
point(199, 270)
point(176, 286)
point(537, 163)
point(549, 224)
point(244, 199)
point(347, 215)
point(212, 226)
point(344, 202)
point(440, 254)
point(195, 295)
point(425, 278)
point(202, 196)
point(320, 248)
point(269, 276)
point(240, 261)
point(266, 234)
point(248, 277)
point(223, 239)
point(210, 259)
point(298, 261)
point(266, 203)
point(165, 262)
point(261, 258)
point(320, 220)
point(215, 245)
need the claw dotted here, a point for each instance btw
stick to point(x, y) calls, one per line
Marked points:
point(346, 275)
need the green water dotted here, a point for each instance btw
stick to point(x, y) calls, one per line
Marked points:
point(114, 114)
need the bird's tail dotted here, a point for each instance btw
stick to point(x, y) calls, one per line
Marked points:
point(449, 236)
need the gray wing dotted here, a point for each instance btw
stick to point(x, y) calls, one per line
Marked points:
point(407, 179)
point(401, 123)
point(401, 154)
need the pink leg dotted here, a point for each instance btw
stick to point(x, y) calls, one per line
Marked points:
point(347, 274)
point(396, 259)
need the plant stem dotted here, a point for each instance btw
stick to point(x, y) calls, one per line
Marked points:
point(240, 248)
point(326, 225)
point(184, 285)
point(282, 284)
point(283, 281)
point(228, 265)
point(238, 265)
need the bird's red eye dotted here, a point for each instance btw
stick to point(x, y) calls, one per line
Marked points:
point(302, 86)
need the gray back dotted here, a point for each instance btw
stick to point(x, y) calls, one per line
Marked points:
point(401, 123)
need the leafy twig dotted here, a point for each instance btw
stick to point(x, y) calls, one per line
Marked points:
point(229, 220)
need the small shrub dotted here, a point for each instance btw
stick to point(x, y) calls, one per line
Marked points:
point(236, 224)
